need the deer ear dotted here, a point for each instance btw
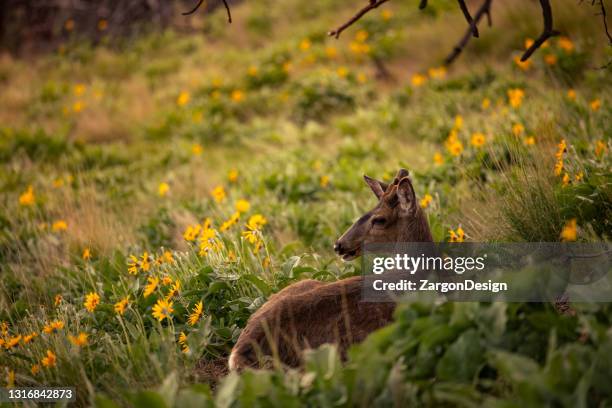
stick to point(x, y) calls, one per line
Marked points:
point(377, 186)
point(400, 175)
point(406, 196)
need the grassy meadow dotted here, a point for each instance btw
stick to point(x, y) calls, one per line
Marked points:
point(155, 192)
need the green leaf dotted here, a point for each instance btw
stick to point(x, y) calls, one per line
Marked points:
point(148, 399)
point(463, 359)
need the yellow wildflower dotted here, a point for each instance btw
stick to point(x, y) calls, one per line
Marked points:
point(331, 52)
point(92, 300)
point(49, 360)
point(58, 299)
point(566, 179)
point(78, 106)
point(86, 254)
point(456, 236)
point(252, 71)
point(550, 59)
point(133, 265)
point(569, 233)
point(79, 340)
point(515, 97)
point(153, 281)
point(35, 369)
point(305, 44)
point(518, 129)
point(196, 314)
point(528, 42)
point(145, 263)
point(59, 225)
point(183, 98)
point(163, 189)
point(237, 95)
point(324, 181)
point(425, 201)
point(12, 342)
point(174, 290)
point(524, 65)
point(28, 338)
point(218, 194)
point(232, 176)
point(191, 232)
point(579, 176)
point(478, 139)
point(256, 221)
point(27, 198)
point(163, 310)
point(182, 340)
point(79, 89)
point(438, 159)
point(455, 148)
point(230, 222)
point(361, 36)
point(53, 327)
point(437, 72)
point(417, 80)
point(458, 124)
point(196, 149)
point(600, 148)
point(342, 72)
point(386, 15)
point(566, 44)
point(242, 206)
point(529, 141)
point(121, 305)
point(595, 104)
point(486, 103)
point(558, 167)
point(571, 94)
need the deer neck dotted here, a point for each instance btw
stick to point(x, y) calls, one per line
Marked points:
point(415, 229)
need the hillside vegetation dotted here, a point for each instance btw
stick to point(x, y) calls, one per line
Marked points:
point(156, 192)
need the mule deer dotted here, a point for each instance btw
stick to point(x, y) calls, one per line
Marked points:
point(310, 313)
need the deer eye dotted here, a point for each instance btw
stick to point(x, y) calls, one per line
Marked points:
point(379, 221)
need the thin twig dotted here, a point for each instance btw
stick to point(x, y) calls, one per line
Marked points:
point(605, 23)
point(484, 9)
point(546, 34)
point(229, 13)
point(468, 17)
point(372, 5)
point(194, 9)
point(422, 4)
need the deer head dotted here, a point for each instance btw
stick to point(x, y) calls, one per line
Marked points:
point(396, 218)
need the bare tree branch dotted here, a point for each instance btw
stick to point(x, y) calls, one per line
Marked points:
point(194, 9)
point(546, 34)
point(229, 13)
point(468, 17)
point(372, 5)
point(605, 22)
point(485, 8)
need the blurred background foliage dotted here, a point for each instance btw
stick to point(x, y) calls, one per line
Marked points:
point(125, 125)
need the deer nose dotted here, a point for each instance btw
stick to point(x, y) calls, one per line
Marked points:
point(338, 247)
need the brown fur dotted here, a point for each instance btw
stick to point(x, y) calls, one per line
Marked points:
point(310, 313)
